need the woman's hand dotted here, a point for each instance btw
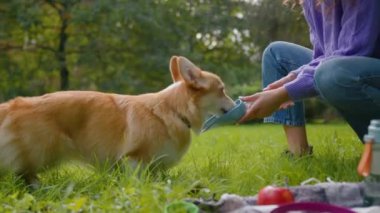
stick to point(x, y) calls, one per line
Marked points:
point(279, 83)
point(264, 103)
point(272, 98)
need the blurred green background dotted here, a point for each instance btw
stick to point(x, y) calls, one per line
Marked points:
point(124, 46)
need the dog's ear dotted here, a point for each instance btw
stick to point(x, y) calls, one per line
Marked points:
point(174, 69)
point(191, 74)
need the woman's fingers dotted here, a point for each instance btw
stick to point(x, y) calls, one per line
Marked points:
point(275, 84)
point(281, 82)
point(250, 106)
point(264, 103)
point(250, 98)
point(286, 105)
point(250, 113)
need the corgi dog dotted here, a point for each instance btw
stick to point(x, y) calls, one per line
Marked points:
point(38, 132)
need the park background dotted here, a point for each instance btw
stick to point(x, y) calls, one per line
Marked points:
point(124, 46)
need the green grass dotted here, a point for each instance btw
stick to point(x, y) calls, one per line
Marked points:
point(239, 159)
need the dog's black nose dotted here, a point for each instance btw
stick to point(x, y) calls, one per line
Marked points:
point(224, 111)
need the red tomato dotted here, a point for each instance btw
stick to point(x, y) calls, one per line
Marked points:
point(274, 195)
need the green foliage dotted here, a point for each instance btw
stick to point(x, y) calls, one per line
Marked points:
point(244, 89)
point(125, 46)
point(317, 110)
point(237, 160)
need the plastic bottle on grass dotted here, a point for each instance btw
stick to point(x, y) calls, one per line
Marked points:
point(369, 165)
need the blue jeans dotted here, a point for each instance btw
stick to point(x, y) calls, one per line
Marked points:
point(351, 84)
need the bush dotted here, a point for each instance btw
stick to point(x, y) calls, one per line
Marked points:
point(318, 111)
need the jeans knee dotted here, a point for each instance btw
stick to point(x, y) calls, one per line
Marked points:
point(330, 79)
point(272, 49)
point(321, 79)
point(271, 58)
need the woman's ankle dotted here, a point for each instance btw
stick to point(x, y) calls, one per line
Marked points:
point(301, 151)
point(297, 140)
point(307, 152)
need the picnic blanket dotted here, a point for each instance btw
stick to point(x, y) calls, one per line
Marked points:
point(346, 195)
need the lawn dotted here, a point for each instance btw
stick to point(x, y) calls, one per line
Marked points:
point(238, 159)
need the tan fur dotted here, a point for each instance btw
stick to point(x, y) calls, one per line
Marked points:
point(37, 132)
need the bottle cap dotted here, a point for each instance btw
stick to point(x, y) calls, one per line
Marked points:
point(369, 138)
point(374, 130)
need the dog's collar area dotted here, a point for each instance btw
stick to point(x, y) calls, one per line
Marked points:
point(185, 120)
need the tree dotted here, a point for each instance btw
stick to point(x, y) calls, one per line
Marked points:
point(124, 45)
point(63, 9)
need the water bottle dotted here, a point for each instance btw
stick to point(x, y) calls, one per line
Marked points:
point(369, 165)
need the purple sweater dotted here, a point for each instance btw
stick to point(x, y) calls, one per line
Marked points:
point(337, 28)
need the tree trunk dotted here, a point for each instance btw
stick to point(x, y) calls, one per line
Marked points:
point(61, 54)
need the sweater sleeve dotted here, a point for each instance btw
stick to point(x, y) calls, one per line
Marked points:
point(358, 36)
